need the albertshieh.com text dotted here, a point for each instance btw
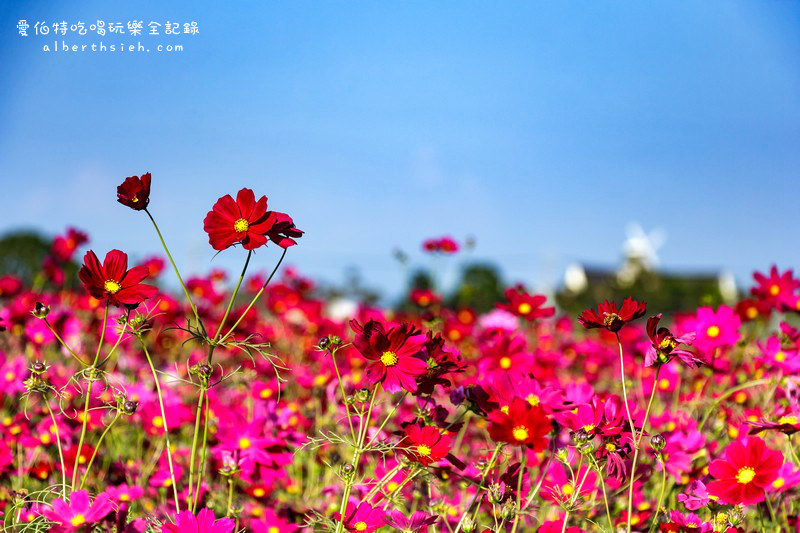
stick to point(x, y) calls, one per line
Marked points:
point(63, 46)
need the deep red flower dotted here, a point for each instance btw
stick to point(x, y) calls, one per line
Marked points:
point(747, 469)
point(113, 281)
point(64, 246)
point(526, 306)
point(522, 424)
point(664, 345)
point(424, 444)
point(609, 317)
point(393, 354)
point(247, 221)
point(135, 192)
point(776, 289)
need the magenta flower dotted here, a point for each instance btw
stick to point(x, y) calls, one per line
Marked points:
point(416, 523)
point(393, 354)
point(362, 519)
point(79, 512)
point(695, 497)
point(716, 328)
point(204, 522)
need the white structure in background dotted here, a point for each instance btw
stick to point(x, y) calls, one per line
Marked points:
point(341, 309)
point(575, 280)
point(727, 288)
point(641, 252)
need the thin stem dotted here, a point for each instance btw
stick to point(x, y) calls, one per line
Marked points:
point(566, 521)
point(94, 453)
point(164, 421)
point(385, 420)
point(203, 454)
point(636, 442)
point(722, 397)
point(486, 471)
point(344, 396)
point(255, 298)
point(385, 479)
point(522, 468)
point(233, 297)
point(654, 524)
point(194, 444)
point(58, 444)
point(230, 497)
point(85, 420)
point(64, 344)
point(175, 268)
point(624, 387)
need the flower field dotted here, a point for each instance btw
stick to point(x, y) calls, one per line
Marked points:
point(246, 402)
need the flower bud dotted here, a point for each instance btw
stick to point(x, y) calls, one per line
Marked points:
point(129, 407)
point(468, 525)
point(658, 442)
point(347, 470)
point(40, 310)
point(363, 395)
point(38, 367)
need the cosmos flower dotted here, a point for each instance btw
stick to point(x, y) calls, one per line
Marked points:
point(609, 317)
point(248, 222)
point(695, 496)
point(362, 519)
point(113, 281)
point(746, 470)
point(690, 523)
point(716, 328)
point(424, 444)
point(664, 345)
point(78, 512)
point(134, 192)
point(776, 290)
point(416, 523)
point(392, 354)
point(64, 246)
point(526, 306)
point(524, 424)
point(204, 522)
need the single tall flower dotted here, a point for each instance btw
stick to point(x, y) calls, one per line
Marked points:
point(609, 317)
point(247, 221)
point(748, 468)
point(424, 444)
point(776, 290)
point(664, 345)
point(526, 306)
point(523, 424)
point(204, 522)
point(392, 354)
point(113, 281)
point(134, 192)
point(79, 512)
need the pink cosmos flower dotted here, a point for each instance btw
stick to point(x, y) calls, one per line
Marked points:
point(79, 512)
point(362, 519)
point(695, 496)
point(204, 522)
point(746, 470)
point(776, 290)
point(716, 328)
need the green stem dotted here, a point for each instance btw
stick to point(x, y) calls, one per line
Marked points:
point(654, 524)
point(522, 468)
point(385, 479)
point(166, 426)
point(255, 298)
point(233, 298)
point(58, 444)
point(722, 397)
point(344, 396)
point(480, 488)
point(230, 497)
point(636, 442)
point(203, 453)
point(194, 444)
point(175, 268)
point(85, 420)
point(385, 420)
point(64, 344)
point(94, 453)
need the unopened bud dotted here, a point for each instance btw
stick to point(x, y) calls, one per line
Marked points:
point(40, 310)
point(658, 442)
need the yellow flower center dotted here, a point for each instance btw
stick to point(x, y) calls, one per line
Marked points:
point(745, 475)
point(389, 358)
point(610, 318)
point(524, 308)
point(567, 489)
point(611, 447)
point(111, 286)
point(780, 357)
point(158, 422)
point(360, 526)
point(520, 432)
point(135, 199)
point(788, 420)
point(423, 450)
point(124, 497)
point(505, 363)
point(273, 529)
point(752, 312)
point(244, 443)
point(778, 483)
point(241, 225)
point(713, 331)
point(588, 428)
point(259, 492)
point(774, 290)
point(77, 520)
point(533, 399)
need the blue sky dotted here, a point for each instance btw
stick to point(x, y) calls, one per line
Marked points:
point(540, 128)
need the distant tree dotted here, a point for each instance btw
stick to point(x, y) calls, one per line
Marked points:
point(480, 288)
point(22, 253)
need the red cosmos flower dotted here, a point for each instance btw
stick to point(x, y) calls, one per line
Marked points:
point(65, 245)
point(113, 281)
point(247, 221)
point(609, 317)
point(747, 469)
point(522, 424)
point(778, 290)
point(664, 345)
point(424, 444)
point(135, 192)
point(393, 354)
point(526, 306)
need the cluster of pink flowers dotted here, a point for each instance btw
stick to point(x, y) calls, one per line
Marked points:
point(250, 404)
